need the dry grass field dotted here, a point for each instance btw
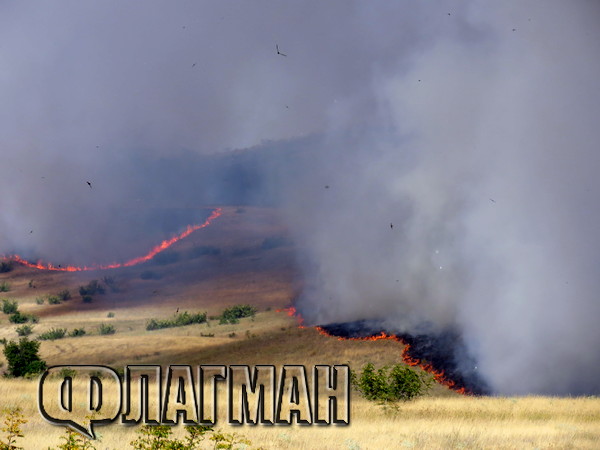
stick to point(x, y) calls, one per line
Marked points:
point(248, 268)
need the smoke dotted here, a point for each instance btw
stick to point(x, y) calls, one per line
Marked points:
point(435, 163)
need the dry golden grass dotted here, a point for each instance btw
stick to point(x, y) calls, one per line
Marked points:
point(429, 423)
point(244, 273)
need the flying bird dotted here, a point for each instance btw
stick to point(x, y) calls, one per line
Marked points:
point(89, 184)
point(391, 225)
point(278, 52)
point(194, 65)
point(492, 200)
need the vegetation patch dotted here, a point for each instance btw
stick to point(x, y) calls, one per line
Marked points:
point(390, 384)
point(237, 312)
point(9, 306)
point(178, 320)
point(52, 334)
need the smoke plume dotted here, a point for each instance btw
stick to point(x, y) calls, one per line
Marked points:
point(436, 163)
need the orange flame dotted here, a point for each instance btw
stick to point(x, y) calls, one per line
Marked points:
point(438, 375)
point(135, 261)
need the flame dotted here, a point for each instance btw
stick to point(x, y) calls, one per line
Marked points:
point(135, 261)
point(438, 375)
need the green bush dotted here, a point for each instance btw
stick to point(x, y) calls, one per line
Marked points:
point(4, 287)
point(23, 357)
point(54, 300)
point(236, 312)
point(40, 300)
point(154, 437)
point(52, 334)
point(390, 384)
point(77, 332)
point(178, 320)
point(110, 315)
point(104, 328)
point(86, 298)
point(24, 330)
point(9, 306)
point(19, 317)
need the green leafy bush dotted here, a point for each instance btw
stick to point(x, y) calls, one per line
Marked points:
point(390, 384)
point(24, 330)
point(52, 334)
point(20, 317)
point(178, 320)
point(104, 329)
point(9, 306)
point(236, 312)
point(54, 300)
point(23, 357)
point(40, 300)
point(77, 332)
point(154, 437)
point(4, 287)
point(86, 298)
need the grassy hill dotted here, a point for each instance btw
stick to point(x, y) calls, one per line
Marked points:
point(246, 258)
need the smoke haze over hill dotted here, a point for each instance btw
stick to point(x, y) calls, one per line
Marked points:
point(436, 163)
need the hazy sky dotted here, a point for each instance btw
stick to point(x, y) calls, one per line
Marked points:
point(470, 125)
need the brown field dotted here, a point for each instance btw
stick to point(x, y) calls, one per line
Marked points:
point(246, 272)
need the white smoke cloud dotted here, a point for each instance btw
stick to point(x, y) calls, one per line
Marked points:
point(458, 141)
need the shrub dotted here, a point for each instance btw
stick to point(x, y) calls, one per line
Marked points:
point(54, 300)
point(6, 266)
point(77, 332)
point(12, 427)
point(104, 328)
point(236, 312)
point(52, 334)
point(23, 357)
point(4, 287)
point(390, 384)
point(112, 284)
point(153, 437)
point(178, 320)
point(86, 298)
point(64, 295)
point(110, 315)
point(9, 306)
point(24, 330)
point(75, 441)
point(40, 300)
point(92, 288)
point(19, 317)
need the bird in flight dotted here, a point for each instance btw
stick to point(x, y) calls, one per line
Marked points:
point(278, 52)
point(89, 184)
point(391, 225)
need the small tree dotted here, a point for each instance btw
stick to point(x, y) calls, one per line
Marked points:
point(23, 357)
